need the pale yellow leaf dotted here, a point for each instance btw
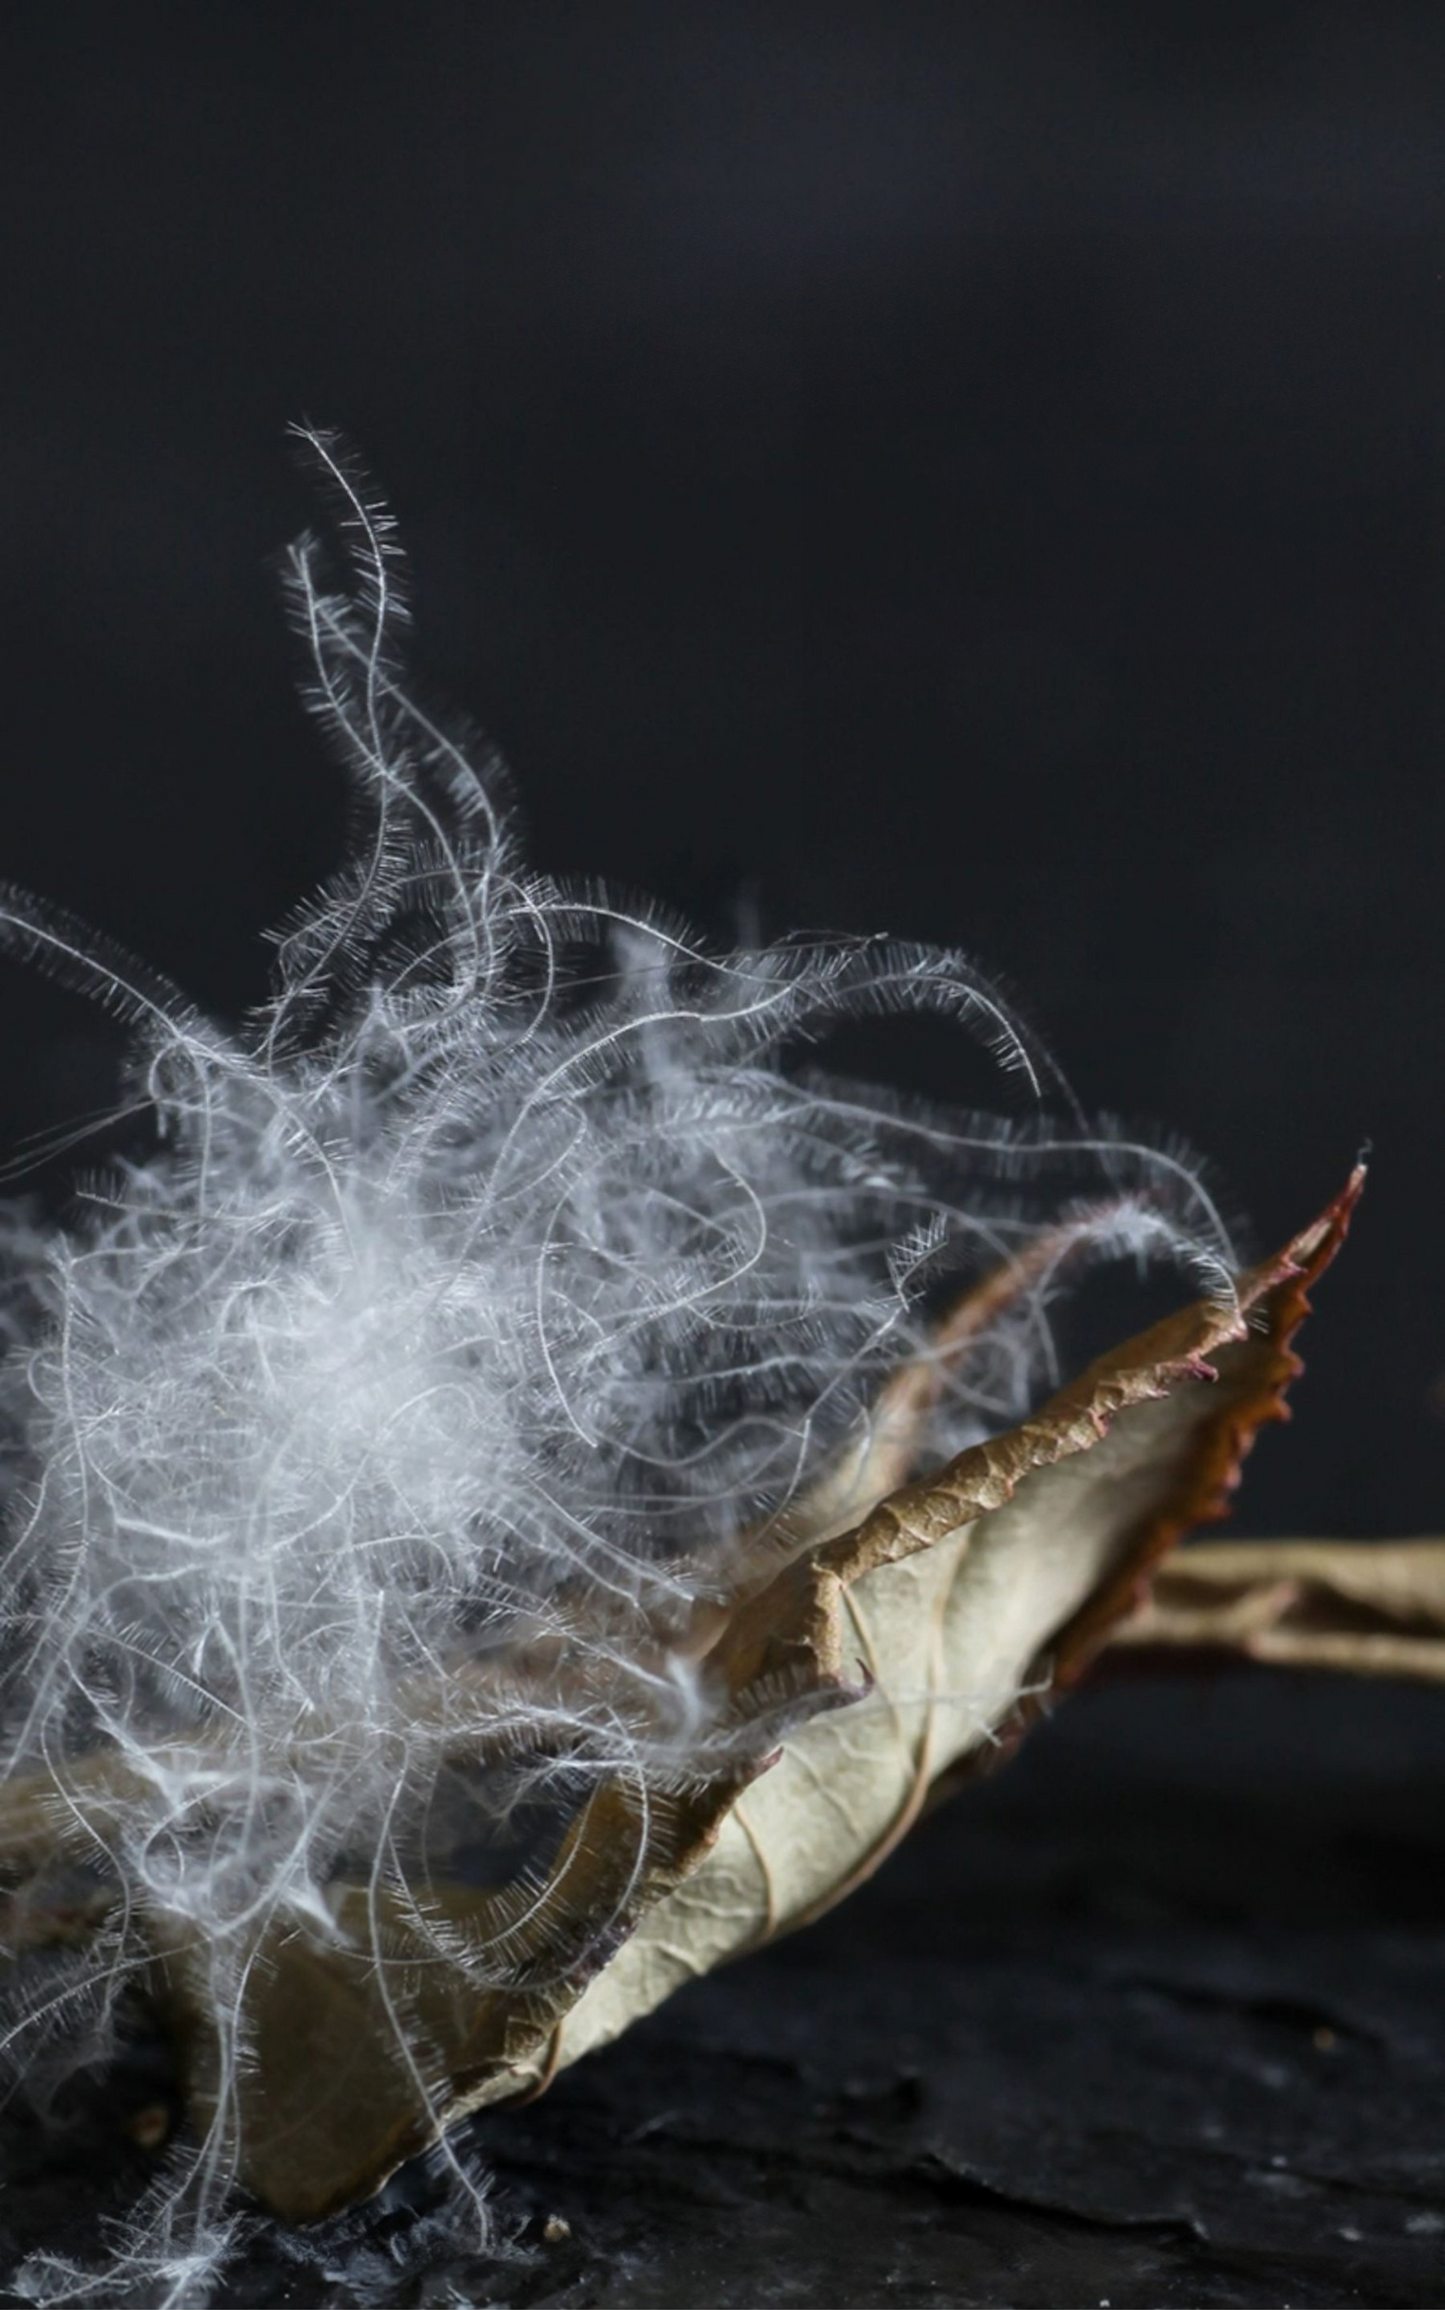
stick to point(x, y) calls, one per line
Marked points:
point(866, 1670)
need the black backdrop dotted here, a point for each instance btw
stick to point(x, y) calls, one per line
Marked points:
point(966, 471)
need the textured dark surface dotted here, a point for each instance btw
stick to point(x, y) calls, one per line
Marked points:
point(1157, 2016)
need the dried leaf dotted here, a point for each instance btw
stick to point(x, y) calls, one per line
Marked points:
point(938, 1622)
point(1370, 1608)
point(966, 1599)
point(868, 1670)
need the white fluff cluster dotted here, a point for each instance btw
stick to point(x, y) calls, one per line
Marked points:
point(498, 1285)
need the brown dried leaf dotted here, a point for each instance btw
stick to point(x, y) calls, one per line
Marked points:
point(940, 1620)
point(967, 1599)
point(867, 1670)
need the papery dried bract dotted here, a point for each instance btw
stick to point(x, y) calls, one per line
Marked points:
point(953, 1610)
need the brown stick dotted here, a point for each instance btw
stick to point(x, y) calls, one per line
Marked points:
point(1361, 1607)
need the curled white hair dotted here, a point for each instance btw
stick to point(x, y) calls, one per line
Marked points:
point(506, 1255)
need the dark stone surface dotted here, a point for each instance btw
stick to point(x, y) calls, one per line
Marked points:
point(1157, 2016)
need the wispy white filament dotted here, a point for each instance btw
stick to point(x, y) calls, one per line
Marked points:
point(497, 1286)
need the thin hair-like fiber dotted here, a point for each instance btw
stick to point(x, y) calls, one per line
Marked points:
point(508, 1255)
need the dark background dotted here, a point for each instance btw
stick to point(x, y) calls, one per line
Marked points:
point(969, 471)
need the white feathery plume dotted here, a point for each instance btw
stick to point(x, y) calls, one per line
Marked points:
point(507, 1256)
